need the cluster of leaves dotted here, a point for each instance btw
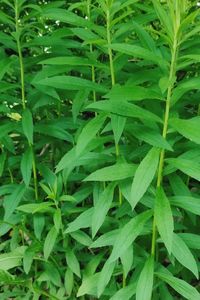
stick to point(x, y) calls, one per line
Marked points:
point(100, 144)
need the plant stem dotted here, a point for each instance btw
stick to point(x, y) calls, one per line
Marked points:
point(91, 49)
point(21, 63)
point(172, 81)
point(23, 88)
point(112, 73)
point(35, 176)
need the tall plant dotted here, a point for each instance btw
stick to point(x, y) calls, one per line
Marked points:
point(100, 107)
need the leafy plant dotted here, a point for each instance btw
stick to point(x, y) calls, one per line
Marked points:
point(99, 142)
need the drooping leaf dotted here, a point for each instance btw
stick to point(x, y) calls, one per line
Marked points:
point(101, 208)
point(50, 242)
point(128, 234)
point(186, 166)
point(116, 172)
point(105, 276)
point(125, 109)
point(70, 83)
point(187, 128)
point(145, 283)
point(26, 165)
point(27, 125)
point(183, 254)
point(89, 131)
point(164, 218)
point(181, 286)
point(144, 176)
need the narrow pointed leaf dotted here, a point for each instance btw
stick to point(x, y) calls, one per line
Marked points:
point(128, 234)
point(26, 165)
point(27, 125)
point(183, 254)
point(187, 128)
point(144, 176)
point(145, 283)
point(181, 286)
point(49, 242)
point(164, 218)
point(89, 132)
point(113, 173)
point(101, 208)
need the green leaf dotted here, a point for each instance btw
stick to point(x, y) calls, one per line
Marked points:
point(145, 283)
point(118, 124)
point(132, 93)
point(65, 16)
point(164, 17)
point(192, 240)
point(28, 259)
point(89, 285)
point(188, 203)
point(89, 132)
point(11, 202)
point(137, 51)
point(12, 259)
point(149, 135)
point(33, 208)
point(116, 172)
point(101, 208)
point(164, 218)
point(70, 61)
point(125, 293)
point(27, 125)
point(105, 276)
point(186, 166)
point(50, 242)
point(73, 262)
point(69, 281)
point(124, 108)
point(182, 253)
point(187, 128)
point(128, 233)
point(84, 220)
point(2, 162)
point(57, 219)
point(144, 176)
point(179, 285)
point(6, 277)
point(127, 260)
point(71, 83)
point(26, 165)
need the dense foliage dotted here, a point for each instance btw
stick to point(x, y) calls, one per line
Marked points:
point(100, 144)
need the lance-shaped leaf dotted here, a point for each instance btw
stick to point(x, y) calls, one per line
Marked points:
point(164, 218)
point(27, 125)
point(124, 108)
point(183, 254)
point(89, 132)
point(26, 165)
point(179, 285)
point(187, 166)
point(116, 172)
point(101, 208)
point(144, 176)
point(187, 128)
point(128, 234)
point(145, 282)
point(70, 83)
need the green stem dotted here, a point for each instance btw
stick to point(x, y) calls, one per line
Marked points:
point(91, 49)
point(172, 81)
point(112, 73)
point(21, 63)
point(35, 176)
